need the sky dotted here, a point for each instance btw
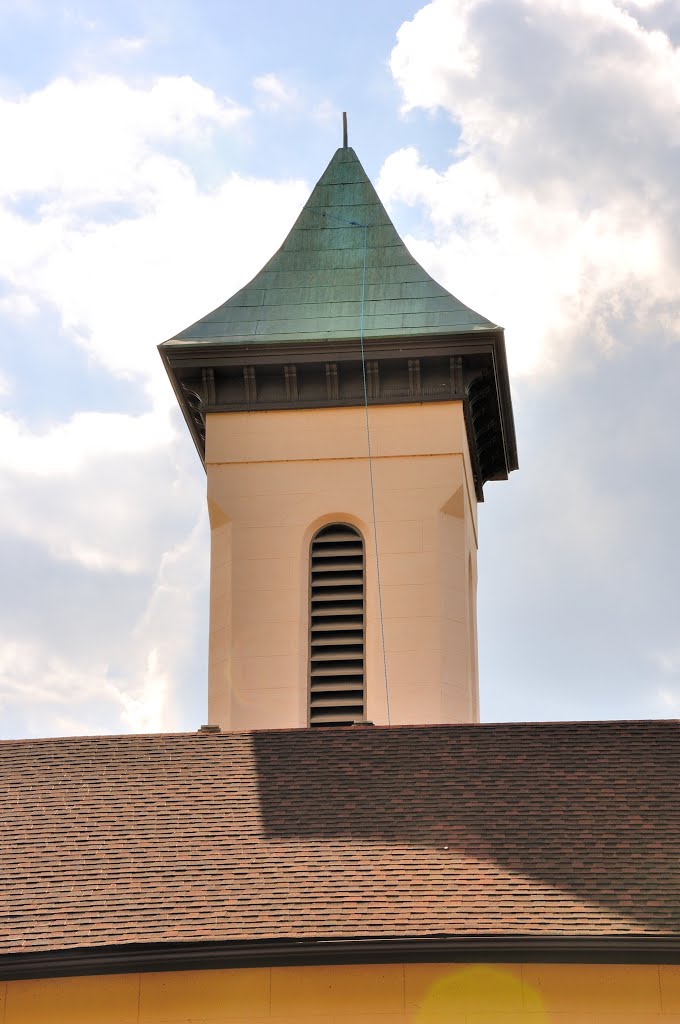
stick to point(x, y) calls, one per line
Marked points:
point(154, 156)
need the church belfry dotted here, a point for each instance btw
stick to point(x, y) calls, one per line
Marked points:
point(348, 410)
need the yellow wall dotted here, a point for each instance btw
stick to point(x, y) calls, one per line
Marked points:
point(274, 478)
point(392, 994)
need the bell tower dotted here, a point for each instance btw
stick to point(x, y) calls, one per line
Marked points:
point(348, 411)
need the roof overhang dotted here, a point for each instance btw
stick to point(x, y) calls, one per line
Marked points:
point(604, 949)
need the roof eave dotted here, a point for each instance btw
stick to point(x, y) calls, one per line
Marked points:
point(296, 338)
point(125, 959)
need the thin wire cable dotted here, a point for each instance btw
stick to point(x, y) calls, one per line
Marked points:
point(370, 462)
point(358, 224)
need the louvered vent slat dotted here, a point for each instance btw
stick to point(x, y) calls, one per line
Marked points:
point(331, 551)
point(333, 704)
point(333, 686)
point(337, 670)
point(331, 535)
point(338, 640)
point(336, 660)
point(338, 563)
point(334, 580)
point(349, 607)
point(335, 623)
point(339, 719)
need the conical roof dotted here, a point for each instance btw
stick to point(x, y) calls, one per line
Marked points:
point(311, 289)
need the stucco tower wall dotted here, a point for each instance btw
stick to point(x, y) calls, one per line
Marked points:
point(274, 478)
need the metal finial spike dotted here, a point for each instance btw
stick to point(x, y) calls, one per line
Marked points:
point(344, 129)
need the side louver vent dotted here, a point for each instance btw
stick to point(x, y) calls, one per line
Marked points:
point(336, 672)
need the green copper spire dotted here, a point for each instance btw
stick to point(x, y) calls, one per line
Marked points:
point(310, 290)
point(291, 338)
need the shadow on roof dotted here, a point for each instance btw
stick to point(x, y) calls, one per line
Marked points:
point(544, 818)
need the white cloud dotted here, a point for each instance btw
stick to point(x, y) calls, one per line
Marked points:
point(34, 680)
point(644, 5)
point(670, 701)
point(90, 139)
point(65, 488)
point(146, 711)
point(18, 307)
point(667, 662)
point(130, 44)
point(326, 112)
point(272, 92)
point(123, 287)
point(86, 437)
point(556, 216)
point(100, 490)
point(102, 222)
point(167, 631)
point(122, 678)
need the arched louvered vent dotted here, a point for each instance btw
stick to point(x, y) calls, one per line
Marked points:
point(336, 673)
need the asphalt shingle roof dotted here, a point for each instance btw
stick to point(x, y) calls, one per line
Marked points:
point(310, 290)
point(557, 829)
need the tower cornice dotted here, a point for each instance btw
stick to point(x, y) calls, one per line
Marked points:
point(472, 368)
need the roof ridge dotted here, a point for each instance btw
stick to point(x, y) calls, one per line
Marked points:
point(343, 730)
